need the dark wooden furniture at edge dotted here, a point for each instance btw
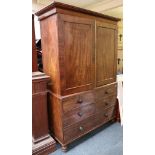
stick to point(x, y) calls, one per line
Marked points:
point(80, 56)
point(43, 143)
point(34, 52)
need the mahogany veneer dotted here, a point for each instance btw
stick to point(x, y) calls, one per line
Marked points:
point(80, 56)
point(43, 143)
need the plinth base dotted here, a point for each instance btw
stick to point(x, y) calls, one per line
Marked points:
point(44, 147)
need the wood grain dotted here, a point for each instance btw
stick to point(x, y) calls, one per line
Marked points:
point(106, 91)
point(105, 48)
point(49, 41)
point(77, 101)
point(79, 114)
point(104, 103)
point(76, 48)
point(55, 116)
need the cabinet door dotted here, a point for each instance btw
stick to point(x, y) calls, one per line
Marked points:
point(76, 53)
point(106, 53)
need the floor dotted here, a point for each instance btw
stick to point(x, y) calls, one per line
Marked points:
point(106, 140)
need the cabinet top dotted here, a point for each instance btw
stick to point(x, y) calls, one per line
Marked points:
point(39, 75)
point(56, 5)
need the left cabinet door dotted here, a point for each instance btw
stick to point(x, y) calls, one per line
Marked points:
point(76, 53)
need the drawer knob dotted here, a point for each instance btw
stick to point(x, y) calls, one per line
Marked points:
point(81, 128)
point(106, 115)
point(106, 92)
point(79, 101)
point(80, 114)
point(106, 103)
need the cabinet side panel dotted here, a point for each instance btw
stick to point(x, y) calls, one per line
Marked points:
point(49, 41)
point(55, 116)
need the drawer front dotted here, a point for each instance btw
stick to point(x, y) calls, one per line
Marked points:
point(77, 101)
point(79, 114)
point(106, 91)
point(106, 115)
point(104, 103)
point(79, 129)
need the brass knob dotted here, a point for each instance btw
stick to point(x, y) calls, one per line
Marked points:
point(80, 114)
point(106, 115)
point(81, 128)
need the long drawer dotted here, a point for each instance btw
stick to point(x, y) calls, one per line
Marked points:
point(79, 129)
point(79, 114)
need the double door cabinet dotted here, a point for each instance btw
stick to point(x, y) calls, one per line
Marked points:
point(80, 56)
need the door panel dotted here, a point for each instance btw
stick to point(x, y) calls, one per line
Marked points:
point(77, 59)
point(105, 54)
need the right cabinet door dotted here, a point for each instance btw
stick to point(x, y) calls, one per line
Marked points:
point(106, 53)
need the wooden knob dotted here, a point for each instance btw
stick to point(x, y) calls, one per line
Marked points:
point(106, 103)
point(80, 114)
point(106, 115)
point(81, 128)
point(79, 101)
point(106, 92)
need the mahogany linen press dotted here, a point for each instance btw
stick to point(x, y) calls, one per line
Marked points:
point(80, 56)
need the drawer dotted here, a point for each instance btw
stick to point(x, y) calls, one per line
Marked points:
point(104, 103)
point(77, 101)
point(79, 114)
point(106, 91)
point(106, 115)
point(79, 129)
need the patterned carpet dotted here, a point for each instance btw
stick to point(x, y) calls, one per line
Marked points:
point(106, 140)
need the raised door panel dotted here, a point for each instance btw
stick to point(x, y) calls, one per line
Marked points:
point(105, 53)
point(76, 53)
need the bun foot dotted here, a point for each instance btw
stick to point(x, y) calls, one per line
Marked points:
point(113, 120)
point(64, 148)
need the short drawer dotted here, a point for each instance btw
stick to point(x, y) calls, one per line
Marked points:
point(104, 103)
point(106, 115)
point(106, 91)
point(79, 114)
point(77, 101)
point(79, 129)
